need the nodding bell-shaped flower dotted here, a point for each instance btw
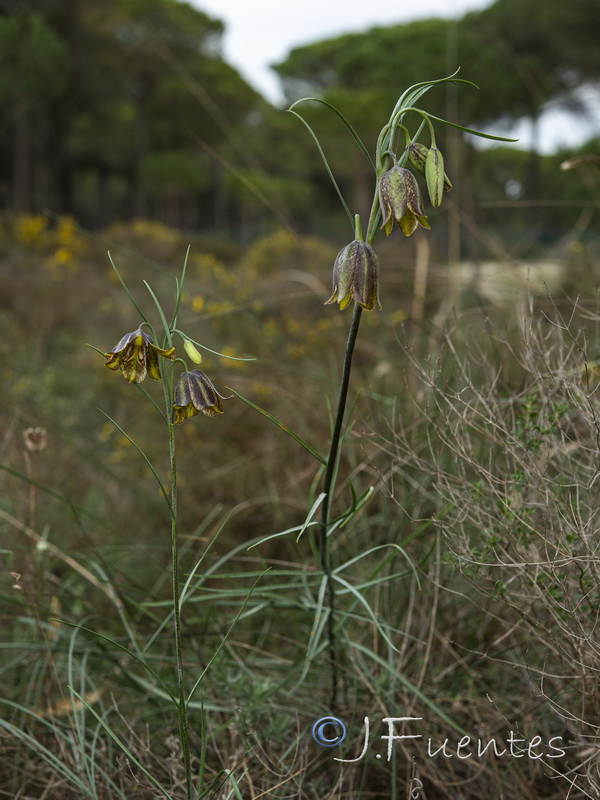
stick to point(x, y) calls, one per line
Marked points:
point(136, 356)
point(400, 200)
point(195, 393)
point(356, 276)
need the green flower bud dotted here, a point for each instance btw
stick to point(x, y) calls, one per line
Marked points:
point(434, 176)
point(136, 356)
point(192, 351)
point(356, 276)
point(195, 393)
point(417, 155)
point(400, 200)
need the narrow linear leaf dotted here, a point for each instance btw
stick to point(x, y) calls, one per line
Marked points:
point(327, 167)
point(357, 595)
point(309, 519)
point(97, 349)
point(417, 90)
point(35, 746)
point(264, 539)
point(360, 556)
point(126, 650)
point(219, 781)
point(198, 564)
point(410, 686)
point(208, 350)
point(144, 456)
point(149, 397)
point(481, 134)
point(318, 624)
point(179, 284)
point(280, 425)
point(127, 292)
point(225, 637)
point(353, 133)
point(161, 313)
point(76, 509)
point(123, 746)
point(264, 199)
point(357, 504)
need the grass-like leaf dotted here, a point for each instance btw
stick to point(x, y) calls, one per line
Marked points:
point(280, 425)
point(208, 349)
point(132, 299)
point(33, 744)
point(122, 745)
point(351, 129)
point(144, 456)
point(327, 167)
point(481, 134)
point(224, 638)
point(161, 314)
point(179, 282)
point(124, 649)
point(410, 686)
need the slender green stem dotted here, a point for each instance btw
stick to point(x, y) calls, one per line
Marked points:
point(328, 484)
point(181, 701)
point(332, 460)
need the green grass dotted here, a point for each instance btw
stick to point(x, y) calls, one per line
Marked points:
point(465, 584)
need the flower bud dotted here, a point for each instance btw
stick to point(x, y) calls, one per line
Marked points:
point(417, 155)
point(192, 351)
point(400, 200)
point(434, 176)
point(356, 276)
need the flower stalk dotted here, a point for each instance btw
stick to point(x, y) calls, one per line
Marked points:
point(397, 198)
point(182, 709)
point(328, 488)
point(332, 458)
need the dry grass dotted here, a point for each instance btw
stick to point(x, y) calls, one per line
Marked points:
point(504, 437)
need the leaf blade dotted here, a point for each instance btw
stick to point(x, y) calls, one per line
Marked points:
point(282, 427)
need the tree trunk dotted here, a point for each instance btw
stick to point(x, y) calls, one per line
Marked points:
point(21, 159)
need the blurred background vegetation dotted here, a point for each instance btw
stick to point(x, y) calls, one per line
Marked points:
point(124, 129)
point(126, 109)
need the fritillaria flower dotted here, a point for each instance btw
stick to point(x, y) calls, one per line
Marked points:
point(400, 200)
point(356, 276)
point(430, 162)
point(195, 393)
point(136, 356)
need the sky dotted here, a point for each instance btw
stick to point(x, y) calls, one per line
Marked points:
point(262, 32)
